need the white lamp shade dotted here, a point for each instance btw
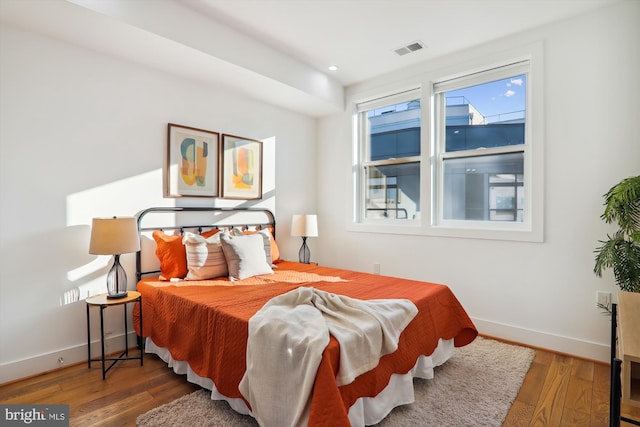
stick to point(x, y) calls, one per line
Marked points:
point(304, 225)
point(111, 236)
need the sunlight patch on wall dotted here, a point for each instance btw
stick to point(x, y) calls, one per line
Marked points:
point(87, 280)
point(125, 197)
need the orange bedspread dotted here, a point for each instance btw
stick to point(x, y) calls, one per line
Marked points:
point(207, 326)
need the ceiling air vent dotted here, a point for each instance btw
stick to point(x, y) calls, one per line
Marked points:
point(412, 47)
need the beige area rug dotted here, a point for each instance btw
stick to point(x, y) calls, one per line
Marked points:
point(476, 387)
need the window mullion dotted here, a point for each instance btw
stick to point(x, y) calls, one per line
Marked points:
point(363, 154)
point(483, 152)
point(392, 161)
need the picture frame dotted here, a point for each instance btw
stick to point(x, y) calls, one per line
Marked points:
point(192, 167)
point(241, 165)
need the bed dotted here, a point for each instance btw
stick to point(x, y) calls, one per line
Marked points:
point(204, 327)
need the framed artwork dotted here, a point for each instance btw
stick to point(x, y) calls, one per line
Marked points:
point(241, 168)
point(192, 162)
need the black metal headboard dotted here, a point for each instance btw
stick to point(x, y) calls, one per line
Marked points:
point(199, 219)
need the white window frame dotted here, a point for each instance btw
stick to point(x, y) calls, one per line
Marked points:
point(361, 161)
point(429, 222)
point(530, 229)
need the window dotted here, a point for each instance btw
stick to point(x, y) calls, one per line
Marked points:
point(456, 156)
point(482, 150)
point(389, 166)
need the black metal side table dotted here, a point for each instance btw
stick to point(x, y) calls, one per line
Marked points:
point(103, 302)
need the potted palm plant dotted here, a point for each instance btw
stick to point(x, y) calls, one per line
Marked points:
point(621, 251)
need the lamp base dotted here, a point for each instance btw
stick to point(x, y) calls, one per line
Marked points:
point(116, 280)
point(118, 295)
point(304, 255)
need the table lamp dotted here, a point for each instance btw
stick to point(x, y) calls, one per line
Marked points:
point(115, 236)
point(304, 226)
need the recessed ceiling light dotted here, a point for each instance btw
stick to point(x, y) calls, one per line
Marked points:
point(333, 67)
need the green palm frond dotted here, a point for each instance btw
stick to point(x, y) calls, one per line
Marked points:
point(622, 204)
point(621, 252)
point(623, 256)
point(607, 255)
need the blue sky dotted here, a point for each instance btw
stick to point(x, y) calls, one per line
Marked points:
point(490, 99)
point(498, 97)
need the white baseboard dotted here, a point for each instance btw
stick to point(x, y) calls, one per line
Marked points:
point(584, 349)
point(47, 362)
point(24, 368)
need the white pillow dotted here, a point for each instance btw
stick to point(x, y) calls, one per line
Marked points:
point(205, 258)
point(266, 236)
point(245, 255)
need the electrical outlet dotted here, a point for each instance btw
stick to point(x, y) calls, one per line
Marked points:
point(603, 298)
point(376, 268)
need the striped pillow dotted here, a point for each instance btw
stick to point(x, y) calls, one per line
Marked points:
point(205, 258)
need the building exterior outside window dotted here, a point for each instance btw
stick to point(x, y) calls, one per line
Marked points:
point(391, 146)
point(476, 185)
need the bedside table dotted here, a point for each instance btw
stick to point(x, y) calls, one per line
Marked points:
point(103, 302)
point(625, 356)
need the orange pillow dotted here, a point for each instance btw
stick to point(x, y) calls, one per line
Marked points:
point(207, 234)
point(172, 254)
point(275, 252)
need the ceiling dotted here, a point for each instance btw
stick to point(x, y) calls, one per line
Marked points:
point(278, 51)
point(360, 36)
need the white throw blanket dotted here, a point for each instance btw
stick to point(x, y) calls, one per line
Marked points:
point(288, 335)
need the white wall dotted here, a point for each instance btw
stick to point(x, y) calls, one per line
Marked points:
point(538, 293)
point(84, 135)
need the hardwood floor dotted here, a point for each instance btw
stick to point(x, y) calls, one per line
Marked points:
point(128, 391)
point(558, 390)
point(564, 391)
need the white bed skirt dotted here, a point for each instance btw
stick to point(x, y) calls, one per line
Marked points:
point(365, 411)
